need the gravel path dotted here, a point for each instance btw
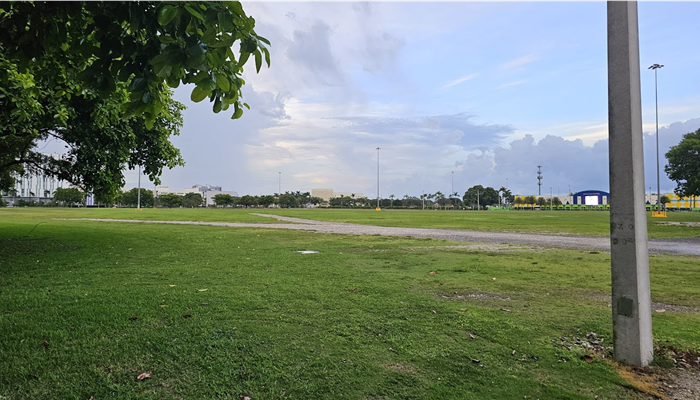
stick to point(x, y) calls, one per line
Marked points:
point(674, 246)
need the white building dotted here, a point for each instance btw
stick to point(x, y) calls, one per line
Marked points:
point(35, 186)
point(206, 191)
point(328, 194)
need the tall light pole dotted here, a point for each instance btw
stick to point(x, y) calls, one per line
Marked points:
point(656, 97)
point(279, 184)
point(453, 189)
point(550, 198)
point(378, 148)
point(138, 205)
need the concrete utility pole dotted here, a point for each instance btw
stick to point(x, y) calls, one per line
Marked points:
point(539, 180)
point(631, 299)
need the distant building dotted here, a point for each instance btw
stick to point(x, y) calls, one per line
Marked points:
point(328, 194)
point(34, 185)
point(591, 197)
point(679, 203)
point(206, 191)
point(325, 194)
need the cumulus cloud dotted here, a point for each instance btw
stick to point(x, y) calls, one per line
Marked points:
point(349, 77)
point(565, 163)
point(310, 48)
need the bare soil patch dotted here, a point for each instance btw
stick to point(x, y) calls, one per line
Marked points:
point(402, 368)
point(679, 223)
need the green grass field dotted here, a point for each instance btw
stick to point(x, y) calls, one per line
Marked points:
point(587, 223)
point(212, 312)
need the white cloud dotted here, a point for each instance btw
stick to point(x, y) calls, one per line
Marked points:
point(519, 62)
point(509, 84)
point(458, 81)
point(349, 77)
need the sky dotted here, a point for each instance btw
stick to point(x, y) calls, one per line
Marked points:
point(454, 94)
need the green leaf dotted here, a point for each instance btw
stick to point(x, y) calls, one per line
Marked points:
point(166, 14)
point(207, 84)
point(222, 82)
point(238, 113)
point(198, 94)
point(258, 61)
point(249, 45)
point(244, 57)
point(267, 56)
point(138, 84)
point(217, 105)
point(262, 39)
point(197, 62)
point(194, 12)
point(173, 81)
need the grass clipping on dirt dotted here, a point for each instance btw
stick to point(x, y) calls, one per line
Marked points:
point(152, 311)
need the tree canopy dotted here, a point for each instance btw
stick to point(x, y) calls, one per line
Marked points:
point(684, 165)
point(68, 196)
point(288, 200)
point(479, 196)
point(97, 76)
point(131, 198)
point(224, 200)
point(191, 200)
point(169, 200)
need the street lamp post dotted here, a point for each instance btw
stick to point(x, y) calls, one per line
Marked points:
point(138, 202)
point(378, 178)
point(453, 189)
point(656, 97)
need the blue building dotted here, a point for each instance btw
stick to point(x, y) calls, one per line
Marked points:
point(591, 197)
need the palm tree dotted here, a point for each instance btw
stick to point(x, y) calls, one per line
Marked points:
point(429, 196)
point(438, 197)
point(454, 196)
point(392, 200)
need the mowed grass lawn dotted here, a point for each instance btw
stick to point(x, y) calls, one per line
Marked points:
point(587, 223)
point(215, 312)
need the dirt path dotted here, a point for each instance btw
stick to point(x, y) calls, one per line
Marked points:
point(674, 246)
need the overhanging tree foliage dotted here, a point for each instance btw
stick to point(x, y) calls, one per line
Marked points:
point(97, 76)
point(684, 165)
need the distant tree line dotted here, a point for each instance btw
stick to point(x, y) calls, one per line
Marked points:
point(286, 200)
